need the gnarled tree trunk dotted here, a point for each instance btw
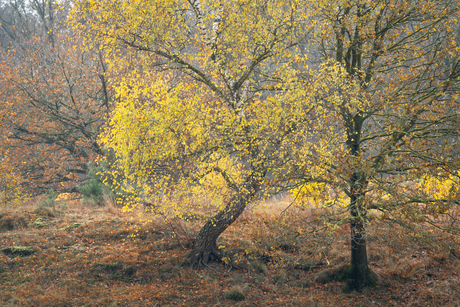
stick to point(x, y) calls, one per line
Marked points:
point(204, 246)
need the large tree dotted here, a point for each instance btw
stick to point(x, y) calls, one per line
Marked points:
point(388, 81)
point(199, 105)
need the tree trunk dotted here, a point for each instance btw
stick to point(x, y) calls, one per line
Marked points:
point(359, 275)
point(204, 246)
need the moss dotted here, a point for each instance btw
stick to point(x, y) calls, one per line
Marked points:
point(238, 296)
point(18, 250)
point(372, 282)
point(344, 274)
point(74, 225)
point(129, 271)
point(369, 282)
point(110, 267)
point(115, 271)
point(38, 223)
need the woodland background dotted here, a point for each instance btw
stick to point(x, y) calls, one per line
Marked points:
point(271, 153)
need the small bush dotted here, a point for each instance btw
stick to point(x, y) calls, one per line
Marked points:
point(39, 223)
point(235, 293)
point(94, 192)
point(11, 221)
point(44, 211)
point(50, 200)
point(101, 187)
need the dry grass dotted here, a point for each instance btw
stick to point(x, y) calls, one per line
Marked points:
point(93, 256)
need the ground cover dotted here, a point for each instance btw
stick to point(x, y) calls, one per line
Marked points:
point(77, 255)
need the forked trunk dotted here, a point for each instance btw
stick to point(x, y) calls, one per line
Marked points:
point(204, 246)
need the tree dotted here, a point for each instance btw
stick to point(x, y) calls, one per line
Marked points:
point(16, 23)
point(389, 80)
point(54, 95)
point(22, 20)
point(225, 90)
point(53, 104)
point(199, 108)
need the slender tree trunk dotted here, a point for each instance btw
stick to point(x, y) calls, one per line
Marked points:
point(204, 246)
point(359, 273)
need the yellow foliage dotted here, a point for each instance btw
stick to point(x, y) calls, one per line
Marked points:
point(310, 192)
point(320, 194)
point(440, 188)
point(222, 92)
point(10, 184)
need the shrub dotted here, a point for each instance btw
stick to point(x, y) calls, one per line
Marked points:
point(102, 185)
point(94, 191)
point(50, 199)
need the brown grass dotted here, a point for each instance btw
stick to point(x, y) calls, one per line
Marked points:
point(93, 256)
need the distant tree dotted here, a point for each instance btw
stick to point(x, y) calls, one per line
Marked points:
point(22, 20)
point(53, 97)
point(16, 23)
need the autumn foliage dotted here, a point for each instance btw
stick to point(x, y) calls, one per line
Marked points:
point(53, 103)
point(202, 109)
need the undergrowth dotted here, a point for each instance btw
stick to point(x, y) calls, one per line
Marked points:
point(97, 256)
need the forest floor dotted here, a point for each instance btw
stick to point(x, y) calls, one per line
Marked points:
point(98, 256)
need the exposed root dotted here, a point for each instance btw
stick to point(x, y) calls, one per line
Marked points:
point(202, 258)
point(343, 274)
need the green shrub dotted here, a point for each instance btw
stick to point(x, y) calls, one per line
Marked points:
point(50, 200)
point(94, 191)
point(39, 223)
point(101, 186)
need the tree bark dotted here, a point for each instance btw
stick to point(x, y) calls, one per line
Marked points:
point(359, 275)
point(204, 246)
